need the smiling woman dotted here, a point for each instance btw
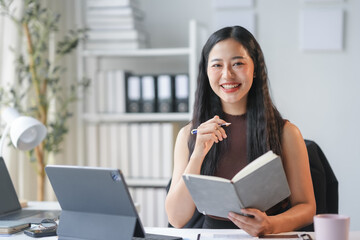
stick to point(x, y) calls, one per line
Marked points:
point(233, 88)
point(230, 71)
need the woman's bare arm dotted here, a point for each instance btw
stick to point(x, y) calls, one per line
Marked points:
point(179, 204)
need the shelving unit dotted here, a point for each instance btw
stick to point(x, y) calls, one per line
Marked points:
point(147, 190)
point(91, 60)
point(136, 117)
point(149, 52)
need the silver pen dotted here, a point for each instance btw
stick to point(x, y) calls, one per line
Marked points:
point(194, 131)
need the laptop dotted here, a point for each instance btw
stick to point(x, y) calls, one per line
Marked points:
point(10, 208)
point(96, 204)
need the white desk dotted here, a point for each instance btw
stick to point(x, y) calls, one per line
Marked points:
point(234, 234)
point(190, 234)
point(187, 234)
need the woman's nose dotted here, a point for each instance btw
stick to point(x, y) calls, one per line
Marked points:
point(227, 73)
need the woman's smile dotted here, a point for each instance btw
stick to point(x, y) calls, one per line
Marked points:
point(230, 87)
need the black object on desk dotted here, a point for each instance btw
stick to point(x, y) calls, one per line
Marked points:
point(46, 228)
point(303, 236)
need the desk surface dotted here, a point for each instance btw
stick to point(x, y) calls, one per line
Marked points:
point(187, 234)
point(190, 234)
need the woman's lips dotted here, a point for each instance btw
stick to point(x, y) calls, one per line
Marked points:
point(230, 87)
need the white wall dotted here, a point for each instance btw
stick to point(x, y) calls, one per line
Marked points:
point(317, 91)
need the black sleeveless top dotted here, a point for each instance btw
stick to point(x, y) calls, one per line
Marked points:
point(231, 162)
point(233, 159)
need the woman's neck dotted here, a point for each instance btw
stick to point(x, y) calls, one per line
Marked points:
point(235, 109)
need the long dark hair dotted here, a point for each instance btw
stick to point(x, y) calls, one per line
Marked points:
point(264, 122)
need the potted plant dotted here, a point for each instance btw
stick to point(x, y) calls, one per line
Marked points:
point(39, 86)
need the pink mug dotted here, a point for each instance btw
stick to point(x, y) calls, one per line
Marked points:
point(331, 227)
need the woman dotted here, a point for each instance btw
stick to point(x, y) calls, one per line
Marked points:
point(232, 87)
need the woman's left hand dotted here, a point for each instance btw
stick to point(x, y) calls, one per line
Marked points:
point(258, 224)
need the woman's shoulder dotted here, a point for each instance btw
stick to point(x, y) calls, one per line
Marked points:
point(184, 132)
point(181, 145)
point(291, 134)
point(290, 128)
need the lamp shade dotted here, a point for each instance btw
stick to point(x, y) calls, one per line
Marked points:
point(27, 132)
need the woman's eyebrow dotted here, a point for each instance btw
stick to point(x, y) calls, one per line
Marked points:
point(233, 58)
point(216, 60)
point(238, 57)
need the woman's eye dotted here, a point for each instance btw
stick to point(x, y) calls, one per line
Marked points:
point(238, 63)
point(216, 65)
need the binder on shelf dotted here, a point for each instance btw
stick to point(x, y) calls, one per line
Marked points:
point(140, 198)
point(182, 93)
point(156, 148)
point(124, 148)
point(165, 87)
point(90, 96)
point(150, 210)
point(148, 88)
point(92, 145)
point(146, 162)
point(101, 96)
point(120, 78)
point(104, 146)
point(133, 94)
point(110, 92)
point(167, 130)
point(114, 151)
point(162, 220)
point(134, 136)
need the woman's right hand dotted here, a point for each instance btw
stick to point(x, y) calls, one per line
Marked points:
point(208, 133)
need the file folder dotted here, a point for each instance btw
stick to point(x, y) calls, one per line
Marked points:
point(165, 87)
point(133, 94)
point(148, 94)
point(182, 93)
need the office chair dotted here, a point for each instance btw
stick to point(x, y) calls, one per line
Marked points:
point(324, 182)
point(326, 186)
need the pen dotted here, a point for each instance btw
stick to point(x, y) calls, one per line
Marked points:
point(194, 131)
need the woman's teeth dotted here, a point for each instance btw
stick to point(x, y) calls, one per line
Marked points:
point(230, 86)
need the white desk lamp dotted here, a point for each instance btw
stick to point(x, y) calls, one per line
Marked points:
point(25, 132)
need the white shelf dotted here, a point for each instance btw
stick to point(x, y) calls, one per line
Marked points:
point(146, 52)
point(139, 61)
point(147, 182)
point(136, 117)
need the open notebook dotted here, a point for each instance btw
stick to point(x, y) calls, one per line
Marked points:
point(95, 204)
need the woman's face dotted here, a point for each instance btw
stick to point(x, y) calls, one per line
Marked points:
point(231, 71)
